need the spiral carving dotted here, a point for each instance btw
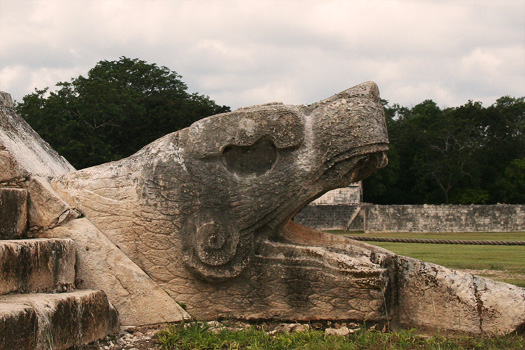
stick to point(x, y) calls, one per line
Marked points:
point(214, 249)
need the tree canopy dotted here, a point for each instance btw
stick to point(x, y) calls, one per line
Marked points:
point(118, 108)
point(461, 155)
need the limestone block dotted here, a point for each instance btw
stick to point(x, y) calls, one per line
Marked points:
point(502, 306)
point(9, 169)
point(101, 265)
point(37, 265)
point(55, 321)
point(18, 323)
point(46, 208)
point(347, 195)
point(13, 212)
point(434, 297)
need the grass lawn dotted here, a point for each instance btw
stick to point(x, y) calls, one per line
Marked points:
point(502, 263)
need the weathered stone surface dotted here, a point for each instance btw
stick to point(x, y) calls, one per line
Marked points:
point(55, 321)
point(350, 195)
point(102, 265)
point(46, 208)
point(9, 170)
point(201, 211)
point(205, 212)
point(5, 100)
point(329, 217)
point(37, 265)
point(13, 212)
point(39, 321)
point(18, 323)
point(22, 150)
point(444, 218)
point(435, 297)
point(343, 331)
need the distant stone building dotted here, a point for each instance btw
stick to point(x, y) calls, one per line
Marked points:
point(335, 210)
point(352, 194)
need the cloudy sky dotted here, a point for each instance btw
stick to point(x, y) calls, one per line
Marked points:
point(248, 52)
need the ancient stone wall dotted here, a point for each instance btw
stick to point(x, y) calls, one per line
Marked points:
point(415, 218)
point(328, 216)
point(345, 195)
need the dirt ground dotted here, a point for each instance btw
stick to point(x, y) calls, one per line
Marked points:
point(131, 338)
point(144, 338)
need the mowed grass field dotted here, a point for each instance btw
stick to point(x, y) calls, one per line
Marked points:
point(501, 263)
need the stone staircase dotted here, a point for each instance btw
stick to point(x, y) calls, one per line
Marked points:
point(39, 305)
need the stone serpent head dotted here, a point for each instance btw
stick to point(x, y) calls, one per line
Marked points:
point(200, 208)
point(241, 176)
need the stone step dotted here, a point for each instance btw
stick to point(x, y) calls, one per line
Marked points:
point(37, 265)
point(13, 212)
point(55, 321)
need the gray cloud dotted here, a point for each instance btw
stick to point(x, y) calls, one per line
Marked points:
point(247, 52)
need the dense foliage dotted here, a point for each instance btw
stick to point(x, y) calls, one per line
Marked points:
point(464, 155)
point(118, 108)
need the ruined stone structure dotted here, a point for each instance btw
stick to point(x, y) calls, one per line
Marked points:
point(203, 217)
point(40, 306)
point(414, 218)
point(350, 195)
point(444, 218)
point(204, 211)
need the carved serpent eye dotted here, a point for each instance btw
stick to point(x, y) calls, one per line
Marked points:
point(255, 159)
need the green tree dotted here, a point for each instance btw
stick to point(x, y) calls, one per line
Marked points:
point(117, 109)
point(512, 182)
point(503, 142)
point(446, 153)
point(381, 187)
point(464, 155)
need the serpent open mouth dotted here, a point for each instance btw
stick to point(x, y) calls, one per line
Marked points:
point(356, 164)
point(342, 170)
point(345, 168)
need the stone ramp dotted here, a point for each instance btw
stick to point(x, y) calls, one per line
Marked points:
point(59, 319)
point(30, 207)
point(23, 153)
point(13, 212)
point(55, 321)
point(37, 265)
point(39, 308)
